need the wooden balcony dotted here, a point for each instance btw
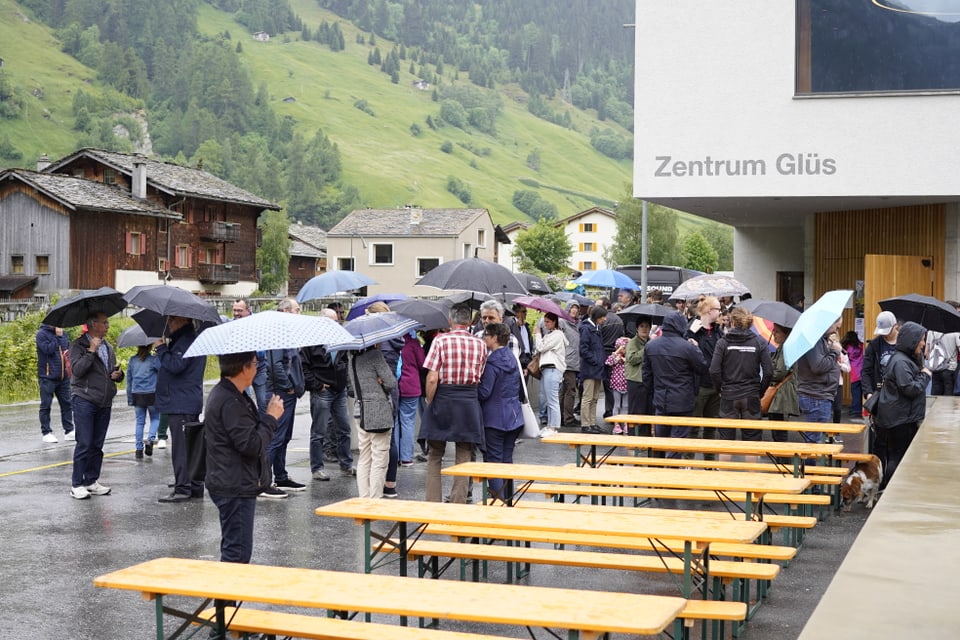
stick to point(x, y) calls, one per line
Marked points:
point(217, 273)
point(219, 231)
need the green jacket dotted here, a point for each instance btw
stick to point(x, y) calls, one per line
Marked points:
point(633, 358)
point(786, 402)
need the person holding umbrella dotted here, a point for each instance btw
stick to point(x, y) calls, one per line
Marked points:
point(817, 373)
point(93, 385)
point(180, 398)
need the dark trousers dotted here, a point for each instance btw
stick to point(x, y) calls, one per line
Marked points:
point(91, 422)
point(500, 445)
point(277, 449)
point(329, 428)
point(892, 445)
point(607, 391)
point(183, 483)
point(942, 384)
point(59, 389)
point(568, 399)
point(236, 528)
point(666, 431)
point(740, 409)
point(637, 404)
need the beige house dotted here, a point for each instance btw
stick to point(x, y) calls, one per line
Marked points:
point(396, 247)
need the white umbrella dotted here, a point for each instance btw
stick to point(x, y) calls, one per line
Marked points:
point(268, 330)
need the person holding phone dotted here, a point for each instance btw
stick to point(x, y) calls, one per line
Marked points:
point(94, 385)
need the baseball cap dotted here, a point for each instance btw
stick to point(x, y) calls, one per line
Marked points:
point(885, 323)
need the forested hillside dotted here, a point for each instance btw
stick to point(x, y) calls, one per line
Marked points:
point(521, 106)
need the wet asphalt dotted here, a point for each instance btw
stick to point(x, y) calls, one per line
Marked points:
point(52, 546)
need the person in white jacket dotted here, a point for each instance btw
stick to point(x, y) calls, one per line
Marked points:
point(552, 347)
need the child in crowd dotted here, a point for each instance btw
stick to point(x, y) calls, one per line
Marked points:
point(854, 348)
point(618, 381)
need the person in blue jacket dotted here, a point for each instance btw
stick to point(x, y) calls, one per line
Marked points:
point(592, 358)
point(142, 396)
point(54, 379)
point(499, 395)
point(671, 372)
point(180, 398)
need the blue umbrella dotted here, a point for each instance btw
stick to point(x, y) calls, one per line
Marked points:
point(375, 328)
point(607, 278)
point(360, 306)
point(813, 323)
point(331, 282)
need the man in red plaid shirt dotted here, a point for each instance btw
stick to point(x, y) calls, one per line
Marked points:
point(454, 364)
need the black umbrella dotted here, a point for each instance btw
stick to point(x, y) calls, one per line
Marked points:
point(567, 296)
point(430, 314)
point(74, 311)
point(473, 299)
point(134, 336)
point(655, 312)
point(533, 284)
point(776, 312)
point(930, 313)
point(155, 324)
point(172, 301)
point(473, 274)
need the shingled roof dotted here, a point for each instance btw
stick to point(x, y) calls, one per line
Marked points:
point(171, 178)
point(307, 240)
point(87, 195)
point(398, 222)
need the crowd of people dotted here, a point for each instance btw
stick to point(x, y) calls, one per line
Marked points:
point(466, 384)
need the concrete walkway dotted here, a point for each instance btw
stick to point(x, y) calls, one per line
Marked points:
point(53, 546)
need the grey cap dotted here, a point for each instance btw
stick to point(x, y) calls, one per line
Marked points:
point(885, 323)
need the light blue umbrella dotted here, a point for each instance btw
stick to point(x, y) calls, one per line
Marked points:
point(331, 282)
point(360, 306)
point(813, 323)
point(268, 330)
point(607, 278)
point(375, 328)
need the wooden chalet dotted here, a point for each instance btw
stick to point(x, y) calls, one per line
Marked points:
point(308, 255)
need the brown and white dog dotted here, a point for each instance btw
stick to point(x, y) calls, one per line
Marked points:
point(861, 484)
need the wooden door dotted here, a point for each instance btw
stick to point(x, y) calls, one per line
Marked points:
point(886, 276)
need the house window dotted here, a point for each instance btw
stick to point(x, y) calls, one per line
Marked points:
point(211, 255)
point(588, 265)
point(182, 258)
point(588, 227)
point(481, 238)
point(162, 265)
point(588, 246)
point(382, 253)
point(135, 243)
point(467, 250)
point(43, 265)
point(16, 264)
point(425, 265)
point(109, 176)
point(346, 264)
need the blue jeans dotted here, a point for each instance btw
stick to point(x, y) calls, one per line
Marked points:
point(815, 410)
point(91, 425)
point(327, 406)
point(61, 390)
point(550, 382)
point(141, 415)
point(277, 449)
point(408, 425)
point(499, 448)
point(236, 528)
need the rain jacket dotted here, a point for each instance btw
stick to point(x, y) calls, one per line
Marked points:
point(499, 391)
point(51, 351)
point(592, 354)
point(672, 368)
point(91, 380)
point(180, 380)
point(707, 338)
point(741, 366)
point(818, 371)
point(903, 396)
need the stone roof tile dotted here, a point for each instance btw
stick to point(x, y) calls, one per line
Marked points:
point(399, 222)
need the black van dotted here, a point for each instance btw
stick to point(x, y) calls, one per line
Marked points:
point(664, 278)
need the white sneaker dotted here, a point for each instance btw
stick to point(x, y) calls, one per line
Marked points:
point(97, 489)
point(79, 493)
point(548, 431)
point(50, 439)
point(161, 444)
point(70, 437)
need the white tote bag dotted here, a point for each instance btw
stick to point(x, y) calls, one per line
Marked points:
point(531, 423)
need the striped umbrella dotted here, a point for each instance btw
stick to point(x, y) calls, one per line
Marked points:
point(375, 328)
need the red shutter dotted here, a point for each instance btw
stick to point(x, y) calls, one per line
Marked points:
point(189, 257)
point(129, 242)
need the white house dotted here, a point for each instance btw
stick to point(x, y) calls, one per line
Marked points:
point(591, 233)
point(823, 131)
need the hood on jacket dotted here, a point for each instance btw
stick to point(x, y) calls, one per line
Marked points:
point(675, 323)
point(909, 337)
point(738, 336)
point(502, 359)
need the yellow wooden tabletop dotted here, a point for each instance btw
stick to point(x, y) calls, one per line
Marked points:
point(775, 425)
point(583, 610)
point(753, 482)
point(624, 524)
point(696, 445)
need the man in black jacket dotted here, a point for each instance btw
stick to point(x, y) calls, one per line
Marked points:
point(237, 436)
point(325, 377)
point(737, 358)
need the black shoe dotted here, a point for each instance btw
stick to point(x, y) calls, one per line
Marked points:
point(421, 457)
point(139, 454)
point(290, 485)
point(389, 492)
point(197, 494)
point(148, 447)
point(175, 497)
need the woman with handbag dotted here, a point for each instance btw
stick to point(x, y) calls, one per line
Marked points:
point(783, 400)
point(142, 396)
point(499, 395)
point(552, 349)
point(371, 381)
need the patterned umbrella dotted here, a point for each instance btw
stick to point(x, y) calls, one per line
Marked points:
point(375, 328)
point(360, 306)
point(709, 284)
point(268, 330)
